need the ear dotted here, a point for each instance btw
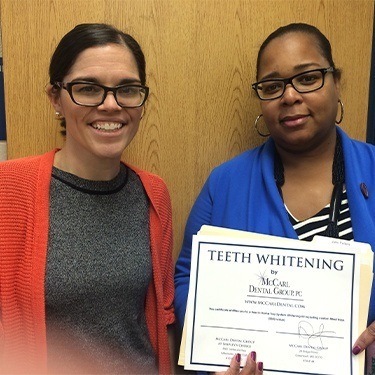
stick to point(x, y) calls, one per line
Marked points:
point(337, 83)
point(53, 94)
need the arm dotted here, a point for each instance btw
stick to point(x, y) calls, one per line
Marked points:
point(199, 215)
point(203, 212)
point(159, 307)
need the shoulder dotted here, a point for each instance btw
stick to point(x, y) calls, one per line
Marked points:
point(357, 149)
point(27, 163)
point(24, 183)
point(15, 164)
point(149, 180)
point(155, 187)
point(26, 169)
point(241, 165)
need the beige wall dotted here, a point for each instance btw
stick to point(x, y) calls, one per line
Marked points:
point(200, 62)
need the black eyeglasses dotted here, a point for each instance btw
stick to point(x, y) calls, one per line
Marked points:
point(89, 94)
point(308, 81)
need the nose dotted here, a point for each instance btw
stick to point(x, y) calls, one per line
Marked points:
point(110, 103)
point(291, 95)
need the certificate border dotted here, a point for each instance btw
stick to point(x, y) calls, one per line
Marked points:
point(203, 242)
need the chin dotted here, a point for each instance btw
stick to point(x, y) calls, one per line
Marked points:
point(108, 154)
point(111, 150)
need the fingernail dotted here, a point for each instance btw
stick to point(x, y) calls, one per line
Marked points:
point(260, 366)
point(356, 350)
point(238, 357)
point(253, 356)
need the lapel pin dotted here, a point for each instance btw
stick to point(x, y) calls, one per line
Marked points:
point(364, 189)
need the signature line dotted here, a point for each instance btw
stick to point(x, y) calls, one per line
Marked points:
point(298, 334)
point(237, 329)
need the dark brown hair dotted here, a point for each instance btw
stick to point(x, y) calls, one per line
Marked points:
point(323, 43)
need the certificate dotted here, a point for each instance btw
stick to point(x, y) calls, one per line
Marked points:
point(297, 304)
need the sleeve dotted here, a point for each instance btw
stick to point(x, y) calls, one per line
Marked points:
point(1, 332)
point(165, 244)
point(168, 285)
point(199, 215)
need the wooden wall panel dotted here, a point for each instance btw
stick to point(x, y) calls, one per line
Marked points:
point(200, 63)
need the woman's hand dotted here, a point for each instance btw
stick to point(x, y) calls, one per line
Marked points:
point(251, 367)
point(366, 338)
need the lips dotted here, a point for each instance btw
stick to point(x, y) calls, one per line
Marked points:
point(294, 120)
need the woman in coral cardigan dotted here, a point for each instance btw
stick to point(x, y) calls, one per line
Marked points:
point(86, 269)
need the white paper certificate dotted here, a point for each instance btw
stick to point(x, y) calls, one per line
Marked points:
point(296, 306)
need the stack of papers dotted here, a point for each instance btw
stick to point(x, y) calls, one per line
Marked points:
point(300, 305)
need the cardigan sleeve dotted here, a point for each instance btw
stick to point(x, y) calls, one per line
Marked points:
point(167, 265)
point(24, 192)
point(163, 208)
point(159, 301)
point(161, 238)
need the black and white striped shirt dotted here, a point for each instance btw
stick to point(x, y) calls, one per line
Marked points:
point(317, 224)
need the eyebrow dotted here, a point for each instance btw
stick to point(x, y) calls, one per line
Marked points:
point(124, 81)
point(298, 68)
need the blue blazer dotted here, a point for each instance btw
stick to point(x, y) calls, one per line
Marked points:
point(242, 194)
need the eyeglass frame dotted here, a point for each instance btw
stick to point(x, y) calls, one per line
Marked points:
point(68, 87)
point(289, 80)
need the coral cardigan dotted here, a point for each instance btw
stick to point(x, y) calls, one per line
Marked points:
point(24, 223)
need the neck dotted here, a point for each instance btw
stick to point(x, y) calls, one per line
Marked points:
point(313, 160)
point(306, 182)
point(96, 169)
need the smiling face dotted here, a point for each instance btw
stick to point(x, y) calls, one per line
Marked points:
point(97, 134)
point(298, 122)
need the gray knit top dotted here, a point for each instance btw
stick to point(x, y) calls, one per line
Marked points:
point(98, 272)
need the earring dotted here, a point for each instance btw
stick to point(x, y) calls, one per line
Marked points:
point(256, 127)
point(59, 116)
point(342, 112)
